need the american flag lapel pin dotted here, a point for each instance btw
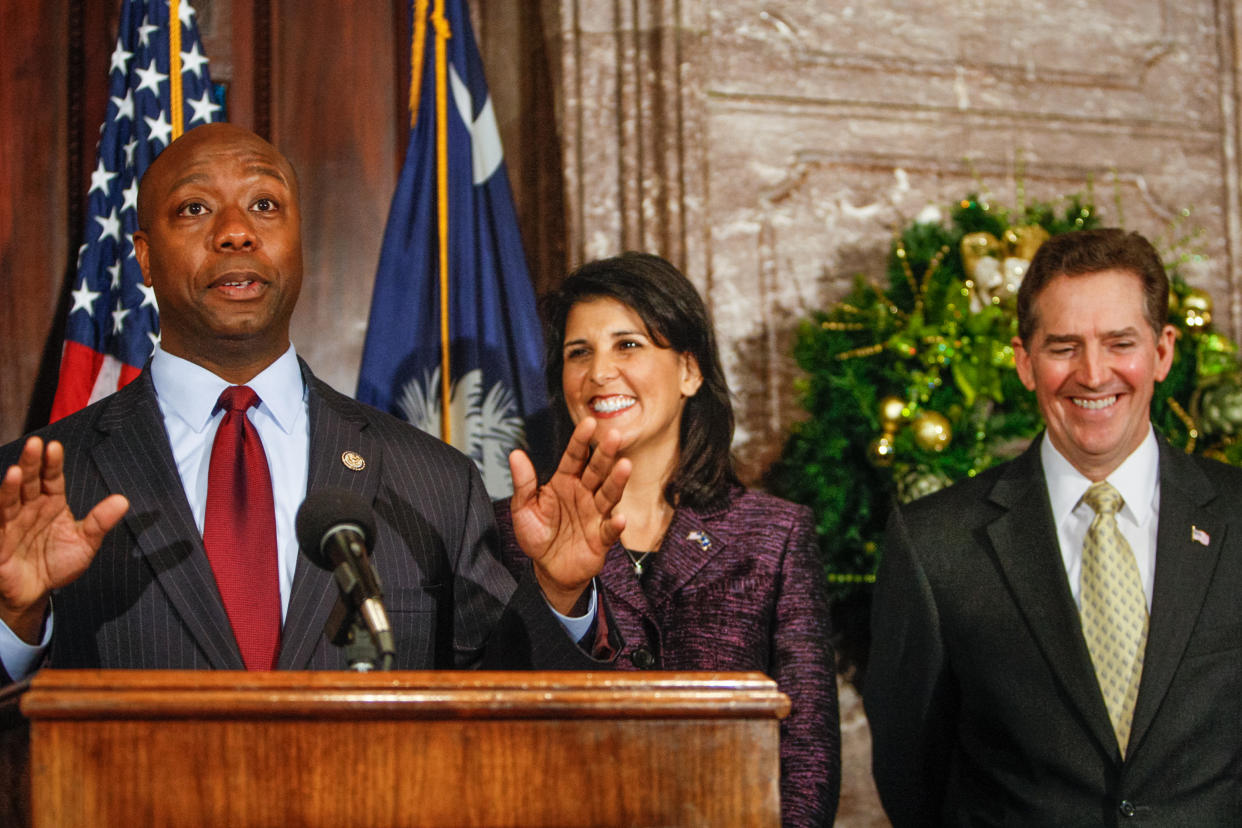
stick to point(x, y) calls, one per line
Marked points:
point(1199, 536)
point(701, 538)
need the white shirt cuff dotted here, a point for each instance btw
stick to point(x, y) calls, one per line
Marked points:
point(576, 627)
point(19, 658)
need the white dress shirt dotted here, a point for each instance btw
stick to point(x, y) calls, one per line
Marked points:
point(187, 393)
point(1138, 481)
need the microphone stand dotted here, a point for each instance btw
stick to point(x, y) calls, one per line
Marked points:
point(345, 628)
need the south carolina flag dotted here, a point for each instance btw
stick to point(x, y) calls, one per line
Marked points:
point(453, 297)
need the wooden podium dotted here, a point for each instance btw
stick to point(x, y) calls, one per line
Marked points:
point(155, 748)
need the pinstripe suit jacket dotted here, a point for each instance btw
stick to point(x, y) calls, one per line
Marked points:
point(737, 586)
point(149, 599)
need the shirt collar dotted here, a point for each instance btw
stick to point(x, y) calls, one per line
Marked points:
point(1137, 479)
point(189, 391)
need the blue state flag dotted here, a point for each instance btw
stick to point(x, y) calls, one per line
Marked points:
point(497, 397)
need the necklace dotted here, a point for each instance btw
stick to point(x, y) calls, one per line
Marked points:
point(637, 561)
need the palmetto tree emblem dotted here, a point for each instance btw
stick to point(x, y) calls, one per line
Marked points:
point(486, 424)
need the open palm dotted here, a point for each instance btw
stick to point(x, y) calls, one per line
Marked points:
point(567, 525)
point(42, 545)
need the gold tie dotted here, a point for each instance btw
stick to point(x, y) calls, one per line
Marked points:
point(1114, 610)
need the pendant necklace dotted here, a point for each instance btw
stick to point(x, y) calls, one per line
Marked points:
point(637, 561)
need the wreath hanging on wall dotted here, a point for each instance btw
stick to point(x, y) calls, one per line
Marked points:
point(911, 386)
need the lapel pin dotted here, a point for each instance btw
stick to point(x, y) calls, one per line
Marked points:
point(701, 538)
point(1199, 536)
point(353, 461)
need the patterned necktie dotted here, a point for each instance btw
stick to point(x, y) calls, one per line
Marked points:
point(239, 531)
point(1114, 610)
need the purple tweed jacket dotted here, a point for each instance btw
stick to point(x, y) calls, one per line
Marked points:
point(737, 587)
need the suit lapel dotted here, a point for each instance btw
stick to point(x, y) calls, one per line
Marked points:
point(134, 457)
point(334, 430)
point(688, 546)
point(1024, 540)
point(1184, 568)
point(623, 584)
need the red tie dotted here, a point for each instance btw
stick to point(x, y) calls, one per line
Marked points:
point(239, 531)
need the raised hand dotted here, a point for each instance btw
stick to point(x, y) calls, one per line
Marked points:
point(566, 526)
point(42, 545)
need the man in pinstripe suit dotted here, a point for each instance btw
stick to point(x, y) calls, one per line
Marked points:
point(129, 584)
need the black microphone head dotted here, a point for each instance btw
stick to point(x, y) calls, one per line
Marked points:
point(324, 510)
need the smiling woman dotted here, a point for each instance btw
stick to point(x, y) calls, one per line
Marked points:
point(706, 575)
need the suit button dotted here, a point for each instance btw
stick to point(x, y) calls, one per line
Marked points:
point(642, 658)
point(1127, 808)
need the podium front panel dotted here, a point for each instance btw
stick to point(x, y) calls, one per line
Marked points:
point(418, 749)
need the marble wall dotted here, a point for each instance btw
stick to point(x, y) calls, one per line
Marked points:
point(773, 148)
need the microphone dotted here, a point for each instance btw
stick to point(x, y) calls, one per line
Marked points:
point(334, 528)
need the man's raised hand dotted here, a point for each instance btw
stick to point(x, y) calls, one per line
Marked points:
point(42, 545)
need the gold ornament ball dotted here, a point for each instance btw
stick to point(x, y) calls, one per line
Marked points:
point(882, 450)
point(892, 412)
point(932, 431)
point(1196, 308)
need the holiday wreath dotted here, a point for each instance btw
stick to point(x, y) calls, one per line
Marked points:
point(911, 386)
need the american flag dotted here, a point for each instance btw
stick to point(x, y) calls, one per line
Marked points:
point(113, 321)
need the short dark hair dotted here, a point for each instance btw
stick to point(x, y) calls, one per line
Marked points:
point(676, 318)
point(1090, 251)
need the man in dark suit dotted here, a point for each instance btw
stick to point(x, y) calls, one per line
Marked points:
point(1058, 641)
point(131, 584)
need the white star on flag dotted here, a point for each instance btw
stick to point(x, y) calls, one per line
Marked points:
point(159, 128)
point(118, 317)
point(120, 58)
point(100, 179)
point(124, 106)
point(111, 226)
point(204, 108)
point(131, 196)
point(84, 298)
point(148, 296)
point(192, 61)
point(151, 78)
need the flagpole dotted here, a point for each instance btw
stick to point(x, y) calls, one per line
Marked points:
point(174, 68)
point(440, 22)
point(417, 47)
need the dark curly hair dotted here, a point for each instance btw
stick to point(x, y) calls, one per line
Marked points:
point(676, 318)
